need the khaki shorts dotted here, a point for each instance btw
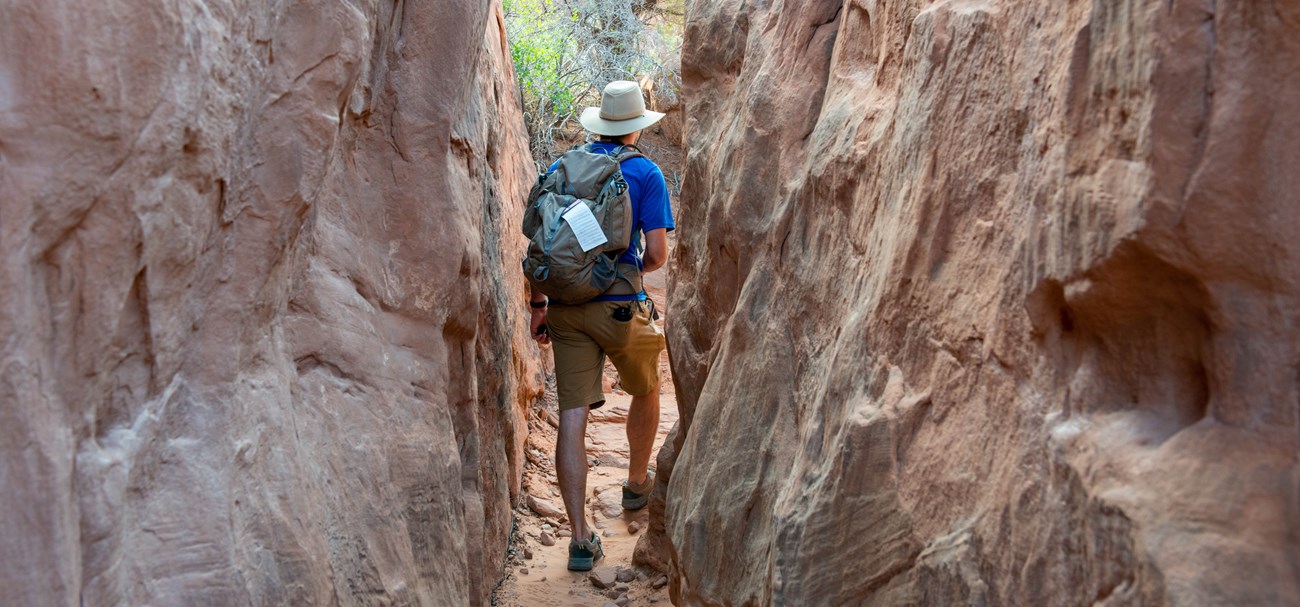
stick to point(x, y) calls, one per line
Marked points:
point(582, 335)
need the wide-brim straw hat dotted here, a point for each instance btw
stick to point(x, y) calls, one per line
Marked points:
point(621, 111)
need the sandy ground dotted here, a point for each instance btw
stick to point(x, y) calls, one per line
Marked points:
point(536, 574)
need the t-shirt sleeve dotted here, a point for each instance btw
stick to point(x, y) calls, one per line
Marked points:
point(656, 209)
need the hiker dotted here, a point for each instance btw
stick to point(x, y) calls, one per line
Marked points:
point(618, 322)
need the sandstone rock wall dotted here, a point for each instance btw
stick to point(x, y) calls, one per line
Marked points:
point(258, 305)
point(988, 302)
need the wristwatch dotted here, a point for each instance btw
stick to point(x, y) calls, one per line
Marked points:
point(537, 305)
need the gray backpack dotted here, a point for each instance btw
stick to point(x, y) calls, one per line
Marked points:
point(556, 263)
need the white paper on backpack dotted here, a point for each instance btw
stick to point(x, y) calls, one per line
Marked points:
point(585, 227)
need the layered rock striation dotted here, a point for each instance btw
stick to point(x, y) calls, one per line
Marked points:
point(987, 302)
point(259, 302)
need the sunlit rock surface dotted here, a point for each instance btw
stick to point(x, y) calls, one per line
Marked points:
point(989, 303)
point(259, 303)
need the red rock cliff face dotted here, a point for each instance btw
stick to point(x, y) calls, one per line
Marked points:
point(988, 302)
point(258, 302)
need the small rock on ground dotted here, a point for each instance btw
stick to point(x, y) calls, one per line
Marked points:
point(545, 539)
point(609, 502)
point(603, 577)
point(523, 571)
point(625, 574)
point(633, 527)
point(543, 507)
point(613, 594)
point(623, 601)
point(661, 582)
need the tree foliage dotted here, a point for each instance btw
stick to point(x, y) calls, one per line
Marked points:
point(566, 51)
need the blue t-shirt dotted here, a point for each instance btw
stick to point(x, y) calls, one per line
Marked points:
point(651, 209)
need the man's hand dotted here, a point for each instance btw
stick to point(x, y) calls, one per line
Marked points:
point(535, 323)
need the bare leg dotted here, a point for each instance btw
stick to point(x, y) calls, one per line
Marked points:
point(642, 426)
point(571, 468)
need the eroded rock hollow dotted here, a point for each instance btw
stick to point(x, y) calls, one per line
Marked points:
point(987, 302)
point(257, 302)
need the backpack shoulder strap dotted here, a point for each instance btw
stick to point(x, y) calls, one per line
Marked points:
point(627, 152)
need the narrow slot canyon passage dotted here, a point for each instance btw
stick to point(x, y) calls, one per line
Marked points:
point(535, 572)
point(967, 302)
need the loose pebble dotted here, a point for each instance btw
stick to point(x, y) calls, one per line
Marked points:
point(545, 539)
point(603, 577)
point(543, 507)
point(661, 582)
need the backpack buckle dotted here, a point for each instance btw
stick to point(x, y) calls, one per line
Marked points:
point(622, 313)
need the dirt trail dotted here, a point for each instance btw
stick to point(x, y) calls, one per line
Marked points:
point(536, 574)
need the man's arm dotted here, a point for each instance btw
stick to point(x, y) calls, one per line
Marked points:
point(656, 250)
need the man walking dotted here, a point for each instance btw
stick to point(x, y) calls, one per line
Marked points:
point(620, 323)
